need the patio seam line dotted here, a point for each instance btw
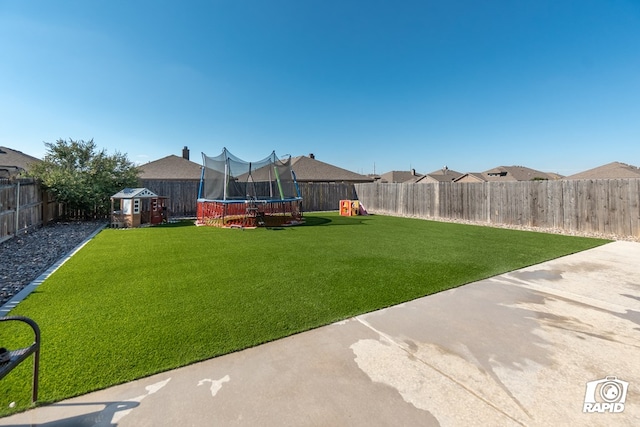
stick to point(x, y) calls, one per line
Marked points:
point(444, 374)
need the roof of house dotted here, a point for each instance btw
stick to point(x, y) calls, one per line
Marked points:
point(400, 176)
point(441, 175)
point(553, 175)
point(613, 170)
point(170, 167)
point(470, 177)
point(309, 169)
point(13, 162)
point(508, 173)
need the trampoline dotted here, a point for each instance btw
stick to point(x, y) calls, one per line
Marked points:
point(236, 193)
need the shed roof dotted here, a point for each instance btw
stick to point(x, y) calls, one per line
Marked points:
point(134, 193)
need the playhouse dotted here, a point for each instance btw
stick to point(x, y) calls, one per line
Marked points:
point(349, 207)
point(133, 207)
point(236, 193)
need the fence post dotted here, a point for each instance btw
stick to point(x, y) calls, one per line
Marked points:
point(488, 201)
point(436, 200)
point(17, 209)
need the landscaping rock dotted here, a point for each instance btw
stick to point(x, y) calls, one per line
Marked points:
point(29, 254)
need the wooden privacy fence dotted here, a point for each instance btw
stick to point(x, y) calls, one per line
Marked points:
point(23, 205)
point(183, 195)
point(607, 206)
point(325, 196)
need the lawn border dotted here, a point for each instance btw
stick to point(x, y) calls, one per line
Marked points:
point(13, 302)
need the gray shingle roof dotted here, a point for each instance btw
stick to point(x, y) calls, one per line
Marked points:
point(440, 175)
point(312, 170)
point(400, 176)
point(170, 167)
point(514, 173)
point(13, 161)
point(470, 177)
point(613, 170)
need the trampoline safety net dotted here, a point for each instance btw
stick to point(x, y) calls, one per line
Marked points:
point(227, 177)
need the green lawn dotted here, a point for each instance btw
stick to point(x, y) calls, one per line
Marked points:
point(136, 302)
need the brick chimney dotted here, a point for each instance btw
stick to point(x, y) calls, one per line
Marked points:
point(185, 153)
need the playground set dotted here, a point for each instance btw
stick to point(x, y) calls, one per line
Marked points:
point(235, 193)
point(351, 208)
point(135, 207)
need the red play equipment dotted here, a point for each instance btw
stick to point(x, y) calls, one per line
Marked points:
point(236, 193)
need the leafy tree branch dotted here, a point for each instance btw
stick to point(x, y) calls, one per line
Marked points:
point(83, 177)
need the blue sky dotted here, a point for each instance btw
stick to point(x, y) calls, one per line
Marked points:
point(391, 85)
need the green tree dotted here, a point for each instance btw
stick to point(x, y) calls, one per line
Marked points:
point(83, 177)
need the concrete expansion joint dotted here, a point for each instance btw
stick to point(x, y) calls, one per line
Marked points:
point(407, 350)
point(559, 293)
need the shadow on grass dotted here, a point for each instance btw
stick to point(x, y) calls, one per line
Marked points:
point(308, 221)
point(181, 223)
point(342, 220)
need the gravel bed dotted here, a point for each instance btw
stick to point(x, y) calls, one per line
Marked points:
point(26, 256)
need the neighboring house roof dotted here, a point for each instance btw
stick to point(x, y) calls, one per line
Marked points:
point(12, 162)
point(308, 169)
point(171, 167)
point(470, 177)
point(441, 175)
point(613, 170)
point(554, 175)
point(400, 176)
point(506, 173)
